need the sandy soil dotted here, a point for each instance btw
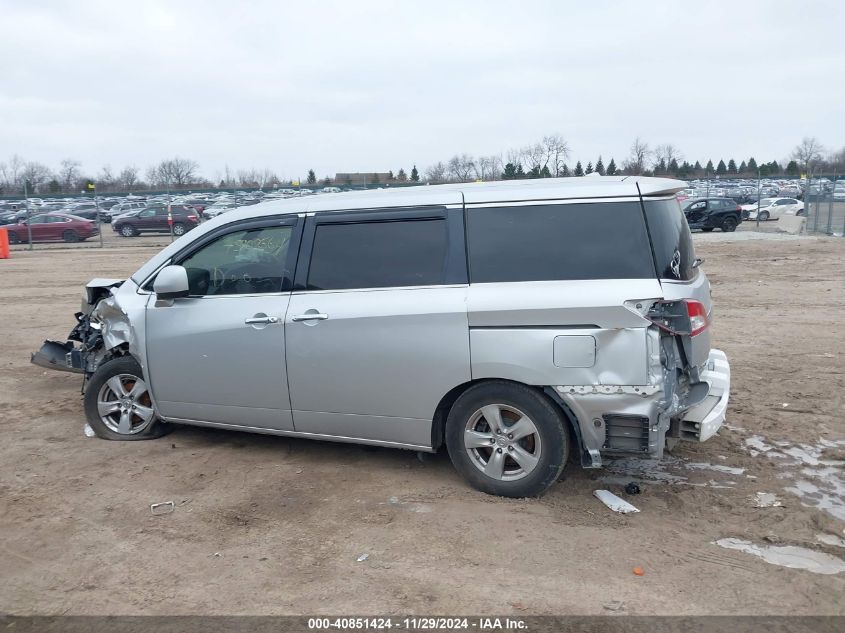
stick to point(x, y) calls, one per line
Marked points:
point(275, 526)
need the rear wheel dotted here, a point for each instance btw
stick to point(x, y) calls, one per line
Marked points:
point(13, 238)
point(118, 404)
point(764, 215)
point(127, 230)
point(507, 439)
point(729, 224)
point(179, 229)
point(70, 236)
point(707, 230)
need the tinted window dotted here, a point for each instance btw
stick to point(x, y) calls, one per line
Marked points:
point(243, 262)
point(378, 254)
point(568, 241)
point(670, 237)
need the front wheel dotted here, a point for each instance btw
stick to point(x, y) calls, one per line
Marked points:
point(764, 215)
point(706, 230)
point(118, 404)
point(729, 224)
point(127, 230)
point(507, 439)
point(13, 238)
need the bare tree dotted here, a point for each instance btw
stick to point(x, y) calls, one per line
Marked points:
point(105, 179)
point(10, 172)
point(638, 159)
point(461, 167)
point(436, 173)
point(128, 177)
point(515, 156)
point(35, 174)
point(69, 173)
point(176, 172)
point(488, 167)
point(808, 153)
point(535, 156)
point(667, 153)
point(557, 150)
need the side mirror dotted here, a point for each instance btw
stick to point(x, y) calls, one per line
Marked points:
point(171, 283)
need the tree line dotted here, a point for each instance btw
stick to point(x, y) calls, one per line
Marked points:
point(547, 158)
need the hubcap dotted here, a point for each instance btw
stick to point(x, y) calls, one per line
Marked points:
point(124, 404)
point(502, 442)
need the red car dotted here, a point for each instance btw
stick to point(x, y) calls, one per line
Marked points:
point(49, 227)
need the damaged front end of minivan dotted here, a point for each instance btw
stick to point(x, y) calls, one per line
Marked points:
point(105, 329)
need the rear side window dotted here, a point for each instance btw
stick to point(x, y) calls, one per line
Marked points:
point(670, 237)
point(602, 240)
point(378, 254)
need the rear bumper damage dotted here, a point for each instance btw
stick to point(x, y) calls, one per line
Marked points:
point(643, 419)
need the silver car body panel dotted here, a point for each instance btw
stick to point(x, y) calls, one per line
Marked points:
point(379, 364)
point(209, 364)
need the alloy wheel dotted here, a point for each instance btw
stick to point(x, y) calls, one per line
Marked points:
point(124, 405)
point(502, 442)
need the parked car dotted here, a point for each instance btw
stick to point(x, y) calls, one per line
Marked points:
point(52, 227)
point(773, 208)
point(511, 322)
point(153, 219)
point(713, 213)
point(219, 207)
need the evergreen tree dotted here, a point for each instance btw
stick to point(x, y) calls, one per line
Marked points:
point(611, 167)
point(685, 170)
point(697, 166)
point(732, 166)
point(510, 172)
point(774, 168)
point(579, 171)
point(721, 168)
point(520, 173)
point(401, 176)
point(792, 169)
point(763, 170)
point(312, 177)
point(327, 181)
point(660, 168)
point(743, 167)
point(600, 167)
point(564, 171)
point(415, 175)
point(589, 167)
point(545, 173)
point(752, 165)
point(390, 175)
point(709, 167)
point(534, 172)
point(673, 167)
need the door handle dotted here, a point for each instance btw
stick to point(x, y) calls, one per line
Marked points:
point(313, 316)
point(260, 320)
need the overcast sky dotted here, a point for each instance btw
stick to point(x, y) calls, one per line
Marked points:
point(371, 86)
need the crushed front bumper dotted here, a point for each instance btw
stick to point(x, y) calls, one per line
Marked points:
point(59, 356)
point(703, 420)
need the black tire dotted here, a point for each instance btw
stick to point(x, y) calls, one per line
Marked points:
point(706, 230)
point(549, 444)
point(179, 229)
point(70, 237)
point(13, 238)
point(729, 224)
point(127, 230)
point(764, 215)
point(124, 368)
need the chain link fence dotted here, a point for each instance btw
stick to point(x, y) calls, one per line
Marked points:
point(824, 205)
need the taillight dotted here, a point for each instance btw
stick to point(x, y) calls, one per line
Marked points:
point(697, 316)
point(192, 217)
point(739, 208)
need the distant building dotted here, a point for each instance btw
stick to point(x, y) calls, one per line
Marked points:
point(361, 178)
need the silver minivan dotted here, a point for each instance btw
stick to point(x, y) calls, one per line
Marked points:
point(517, 323)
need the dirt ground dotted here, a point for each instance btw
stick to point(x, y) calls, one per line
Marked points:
point(268, 525)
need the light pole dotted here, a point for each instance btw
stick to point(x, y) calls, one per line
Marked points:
point(26, 202)
point(758, 197)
